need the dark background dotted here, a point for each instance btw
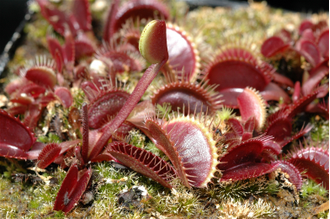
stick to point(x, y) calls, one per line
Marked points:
point(11, 14)
point(12, 11)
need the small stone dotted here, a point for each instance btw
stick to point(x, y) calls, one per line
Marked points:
point(87, 197)
point(133, 197)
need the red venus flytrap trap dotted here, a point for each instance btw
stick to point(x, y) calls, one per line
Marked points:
point(251, 145)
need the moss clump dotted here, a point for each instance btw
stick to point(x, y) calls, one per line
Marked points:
point(314, 198)
point(51, 138)
point(243, 189)
point(181, 201)
point(224, 113)
point(310, 188)
point(246, 209)
point(164, 110)
point(23, 199)
point(136, 138)
point(113, 182)
point(320, 131)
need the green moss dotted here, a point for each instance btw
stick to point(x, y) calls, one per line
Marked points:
point(34, 204)
point(59, 214)
point(51, 138)
point(136, 138)
point(320, 131)
point(243, 189)
point(139, 140)
point(224, 113)
point(153, 149)
point(10, 199)
point(164, 110)
point(258, 208)
point(180, 201)
point(78, 97)
point(312, 188)
point(113, 181)
point(37, 30)
point(23, 199)
point(11, 166)
point(178, 9)
point(323, 214)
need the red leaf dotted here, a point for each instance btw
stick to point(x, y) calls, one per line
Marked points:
point(48, 154)
point(247, 151)
point(143, 162)
point(310, 51)
point(142, 9)
point(252, 105)
point(280, 129)
point(272, 46)
point(82, 14)
point(68, 185)
point(15, 138)
point(314, 162)
point(289, 168)
point(105, 107)
point(323, 43)
point(72, 188)
point(65, 96)
point(110, 21)
point(195, 146)
point(56, 51)
point(42, 75)
point(79, 189)
point(182, 53)
point(247, 171)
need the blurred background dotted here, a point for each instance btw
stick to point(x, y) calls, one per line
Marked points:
point(12, 11)
point(11, 14)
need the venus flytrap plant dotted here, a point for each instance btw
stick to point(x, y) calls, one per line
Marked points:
point(194, 130)
point(78, 175)
point(153, 47)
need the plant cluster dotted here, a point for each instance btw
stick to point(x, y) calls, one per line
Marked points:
point(75, 108)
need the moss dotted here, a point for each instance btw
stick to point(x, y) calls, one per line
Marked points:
point(11, 166)
point(323, 214)
point(180, 201)
point(23, 199)
point(164, 110)
point(78, 97)
point(153, 149)
point(246, 209)
point(243, 189)
point(320, 131)
point(113, 181)
point(34, 204)
point(224, 113)
point(51, 138)
point(312, 188)
point(136, 138)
